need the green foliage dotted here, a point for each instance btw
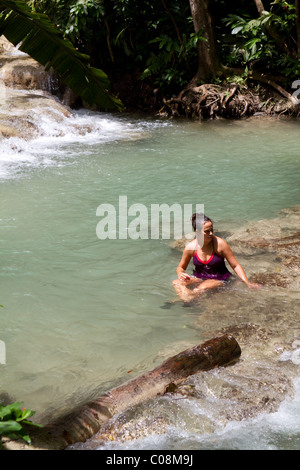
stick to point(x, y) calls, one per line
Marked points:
point(290, 66)
point(130, 35)
point(82, 13)
point(55, 9)
point(167, 65)
point(251, 40)
point(43, 42)
point(267, 42)
point(156, 37)
point(12, 420)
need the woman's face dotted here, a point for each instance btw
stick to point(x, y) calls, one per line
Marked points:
point(208, 231)
point(206, 234)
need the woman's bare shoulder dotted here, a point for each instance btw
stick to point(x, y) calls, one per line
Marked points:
point(191, 246)
point(220, 244)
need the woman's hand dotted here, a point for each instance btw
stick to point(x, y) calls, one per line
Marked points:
point(183, 276)
point(253, 285)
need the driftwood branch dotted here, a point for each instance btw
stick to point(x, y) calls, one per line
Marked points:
point(87, 420)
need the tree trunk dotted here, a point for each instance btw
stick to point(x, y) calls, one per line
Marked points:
point(208, 61)
point(259, 6)
point(86, 420)
point(271, 31)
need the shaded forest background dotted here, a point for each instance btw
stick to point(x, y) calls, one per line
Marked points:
point(188, 57)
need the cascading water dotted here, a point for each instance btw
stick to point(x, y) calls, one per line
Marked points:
point(82, 315)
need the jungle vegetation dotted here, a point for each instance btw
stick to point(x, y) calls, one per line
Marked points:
point(164, 46)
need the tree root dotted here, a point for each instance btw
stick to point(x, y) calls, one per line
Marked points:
point(210, 101)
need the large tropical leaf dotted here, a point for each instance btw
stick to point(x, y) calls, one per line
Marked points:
point(39, 38)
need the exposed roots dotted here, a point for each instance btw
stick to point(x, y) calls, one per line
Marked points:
point(211, 101)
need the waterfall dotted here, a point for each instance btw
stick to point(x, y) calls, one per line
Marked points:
point(36, 116)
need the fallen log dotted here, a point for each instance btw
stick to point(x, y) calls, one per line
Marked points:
point(86, 421)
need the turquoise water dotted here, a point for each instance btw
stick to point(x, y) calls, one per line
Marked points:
point(81, 314)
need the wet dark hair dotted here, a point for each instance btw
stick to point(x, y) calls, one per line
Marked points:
point(199, 219)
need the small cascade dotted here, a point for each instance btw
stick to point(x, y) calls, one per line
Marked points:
point(28, 91)
point(19, 71)
point(36, 114)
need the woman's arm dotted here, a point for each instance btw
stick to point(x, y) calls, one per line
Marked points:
point(235, 265)
point(183, 264)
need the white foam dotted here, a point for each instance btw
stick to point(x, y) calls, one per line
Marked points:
point(55, 133)
point(269, 431)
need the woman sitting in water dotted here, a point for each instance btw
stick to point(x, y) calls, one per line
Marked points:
point(209, 253)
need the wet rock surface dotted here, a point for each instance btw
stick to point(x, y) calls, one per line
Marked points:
point(279, 241)
point(208, 401)
point(25, 111)
point(27, 88)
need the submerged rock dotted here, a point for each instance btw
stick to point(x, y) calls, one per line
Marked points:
point(278, 240)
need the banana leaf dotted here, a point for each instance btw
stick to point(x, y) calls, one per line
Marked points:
point(38, 37)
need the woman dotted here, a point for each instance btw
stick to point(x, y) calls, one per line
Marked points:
point(209, 253)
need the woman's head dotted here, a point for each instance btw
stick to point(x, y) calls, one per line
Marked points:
point(198, 221)
point(203, 227)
